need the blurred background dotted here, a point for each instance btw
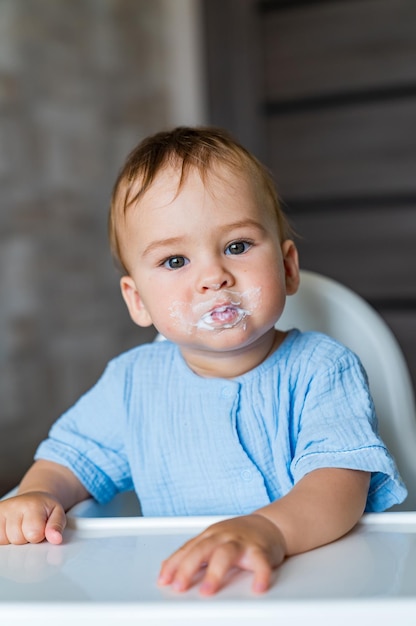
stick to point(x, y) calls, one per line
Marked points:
point(324, 92)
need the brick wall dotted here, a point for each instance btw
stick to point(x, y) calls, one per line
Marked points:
point(80, 83)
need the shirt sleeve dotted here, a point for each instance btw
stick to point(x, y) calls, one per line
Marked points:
point(89, 438)
point(338, 428)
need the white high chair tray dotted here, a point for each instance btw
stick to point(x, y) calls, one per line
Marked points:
point(105, 572)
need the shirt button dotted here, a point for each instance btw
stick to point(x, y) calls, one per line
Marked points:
point(247, 475)
point(227, 392)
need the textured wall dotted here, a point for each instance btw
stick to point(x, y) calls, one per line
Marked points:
point(81, 81)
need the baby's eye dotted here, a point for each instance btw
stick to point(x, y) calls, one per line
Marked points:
point(175, 262)
point(238, 247)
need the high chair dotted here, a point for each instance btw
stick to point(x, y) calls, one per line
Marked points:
point(325, 305)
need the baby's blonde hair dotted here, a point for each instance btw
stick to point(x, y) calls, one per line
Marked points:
point(202, 148)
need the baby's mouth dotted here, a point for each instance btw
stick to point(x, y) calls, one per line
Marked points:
point(221, 317)
point(224, 310)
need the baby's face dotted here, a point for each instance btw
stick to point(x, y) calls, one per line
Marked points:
point(206, 264)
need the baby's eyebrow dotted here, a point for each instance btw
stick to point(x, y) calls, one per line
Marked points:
point(162, 243)
point(244, 224)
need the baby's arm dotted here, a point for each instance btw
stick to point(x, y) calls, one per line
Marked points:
point(38, 510)
point(320, 508)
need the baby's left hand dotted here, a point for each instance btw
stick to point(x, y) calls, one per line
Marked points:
point(251, 542)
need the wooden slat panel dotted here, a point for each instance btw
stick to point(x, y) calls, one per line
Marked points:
point(372, 252)
point(359, 150)
point(234, 69)
point(337, 47)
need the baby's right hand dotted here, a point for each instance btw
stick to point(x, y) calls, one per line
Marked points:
point(31, 518)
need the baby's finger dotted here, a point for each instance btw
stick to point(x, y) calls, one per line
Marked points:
point(33, 526)
point(55, 525)
point(223, 559)
point(181, 569)
point(13, 529)
point(3, 537)
point(262, 571)
point(169, 567)
point(171, 564)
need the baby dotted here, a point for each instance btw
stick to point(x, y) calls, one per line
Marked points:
point(230, 415)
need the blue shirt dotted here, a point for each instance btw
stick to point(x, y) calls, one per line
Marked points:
point(204, 446)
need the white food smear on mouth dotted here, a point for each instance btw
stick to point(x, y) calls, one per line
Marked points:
point(233, 307)
point(218, 317)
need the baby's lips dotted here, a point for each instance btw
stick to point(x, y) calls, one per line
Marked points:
point(225, 316)
point(226, 313)
point(219, 313)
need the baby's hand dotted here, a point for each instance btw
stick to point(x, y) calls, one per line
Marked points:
point(251, 542)
point(31, 518)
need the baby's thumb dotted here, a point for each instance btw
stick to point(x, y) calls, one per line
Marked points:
point(55, 525)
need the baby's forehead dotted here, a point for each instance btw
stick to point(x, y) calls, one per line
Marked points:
point(171, 178)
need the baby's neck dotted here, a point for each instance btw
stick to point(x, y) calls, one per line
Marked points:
point(234, 363)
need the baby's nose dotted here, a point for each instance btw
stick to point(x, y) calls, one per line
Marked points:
point(215, 284)
point(214, 275)
point(210, 285)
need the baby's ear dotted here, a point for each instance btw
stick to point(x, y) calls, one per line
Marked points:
point(291, 265)
point(137, 309)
